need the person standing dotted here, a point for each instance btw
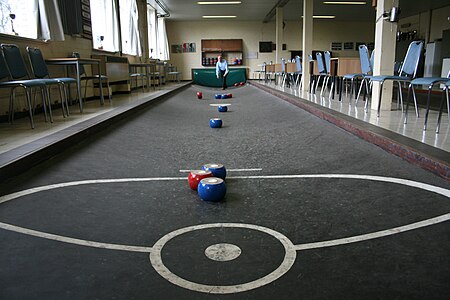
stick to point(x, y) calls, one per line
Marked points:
point(222, 70)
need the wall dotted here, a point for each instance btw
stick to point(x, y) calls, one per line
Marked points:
point(429, 31)
point(325, 31)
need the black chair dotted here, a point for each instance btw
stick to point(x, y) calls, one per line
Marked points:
point(93, 77)
point(134, 74)
point(27, 85)
point(40, 70)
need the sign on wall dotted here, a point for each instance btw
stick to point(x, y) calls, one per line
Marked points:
point(183, 48)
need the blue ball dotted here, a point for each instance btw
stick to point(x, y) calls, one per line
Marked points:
point(224, 96)
point(212, 189)
point(217, 96)
point(222, 108)
point(215, 123)
point(218, 170)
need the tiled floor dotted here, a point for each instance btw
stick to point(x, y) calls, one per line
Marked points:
point(20, 133)
point(391, 120)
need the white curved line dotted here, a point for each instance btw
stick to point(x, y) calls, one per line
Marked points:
point(330, 243)
point(373, 235)
point(69, 240)
point(81, 182)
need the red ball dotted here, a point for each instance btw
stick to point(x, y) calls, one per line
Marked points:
point(229, 95)
point(199, 95)
point(195, 176)
point(236, 84)
point(242, 83)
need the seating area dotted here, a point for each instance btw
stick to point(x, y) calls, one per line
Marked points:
point(14, 74)
point(358, 85)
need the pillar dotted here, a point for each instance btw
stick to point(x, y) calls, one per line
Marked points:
point(307, 41)
point(279, 34)
point(385, 41)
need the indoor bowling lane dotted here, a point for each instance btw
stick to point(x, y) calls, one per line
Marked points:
point(116, 219)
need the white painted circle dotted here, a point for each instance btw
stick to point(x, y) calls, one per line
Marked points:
point(251, 285)
point(223, 252)
point(286, 264)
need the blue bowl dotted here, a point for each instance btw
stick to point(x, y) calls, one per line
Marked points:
point(218, 170)
point(212, 189)
point(222, 108)
point(215, 123)
point(217, 96)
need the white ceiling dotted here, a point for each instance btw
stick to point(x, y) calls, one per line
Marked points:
point(256, 10)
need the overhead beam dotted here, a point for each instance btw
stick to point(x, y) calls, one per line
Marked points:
point(273, 11)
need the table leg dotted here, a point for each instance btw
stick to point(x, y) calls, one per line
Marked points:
point(102, 99)
point(77, 65)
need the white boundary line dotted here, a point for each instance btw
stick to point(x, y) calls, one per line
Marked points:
point(69, 240)
point(373, 235)
point(229, 170)
point(347, 240)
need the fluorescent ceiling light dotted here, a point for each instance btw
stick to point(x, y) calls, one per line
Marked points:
point(324, 17)
point(346, 2)
point(218, 2)
point(218, 17)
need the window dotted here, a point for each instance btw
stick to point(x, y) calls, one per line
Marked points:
point(129, 27)
point(105, 26)
point(158, 44)
point(152, 32)
point(19, 17)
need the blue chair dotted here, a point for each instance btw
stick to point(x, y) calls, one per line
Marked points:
point(93, 77)
point(446, 88)
point(365, 75)
point(322, 71)
point(40, 70)
point(298, 72)
point(27, 85)
point(327, 57)
point(430, 81)
point(406, 74)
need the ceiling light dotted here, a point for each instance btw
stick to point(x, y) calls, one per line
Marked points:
point(346, 2)
point(218, 2)
point(218, 17)
point(324, 17)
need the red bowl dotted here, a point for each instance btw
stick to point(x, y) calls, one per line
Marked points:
point(195, 176)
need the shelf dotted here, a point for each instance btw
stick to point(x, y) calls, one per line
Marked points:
point(230, 48)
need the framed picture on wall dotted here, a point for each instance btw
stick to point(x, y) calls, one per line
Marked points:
point(336, 46)
point(349, 45)
point(265, 47)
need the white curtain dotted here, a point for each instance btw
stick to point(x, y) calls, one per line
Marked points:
point(131, 43)
point(26, 17)
point(152, 32)
point(50, 25)
point(105, 24)
point(163, 43)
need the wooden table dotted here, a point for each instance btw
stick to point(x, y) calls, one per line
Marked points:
point(73, 61)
